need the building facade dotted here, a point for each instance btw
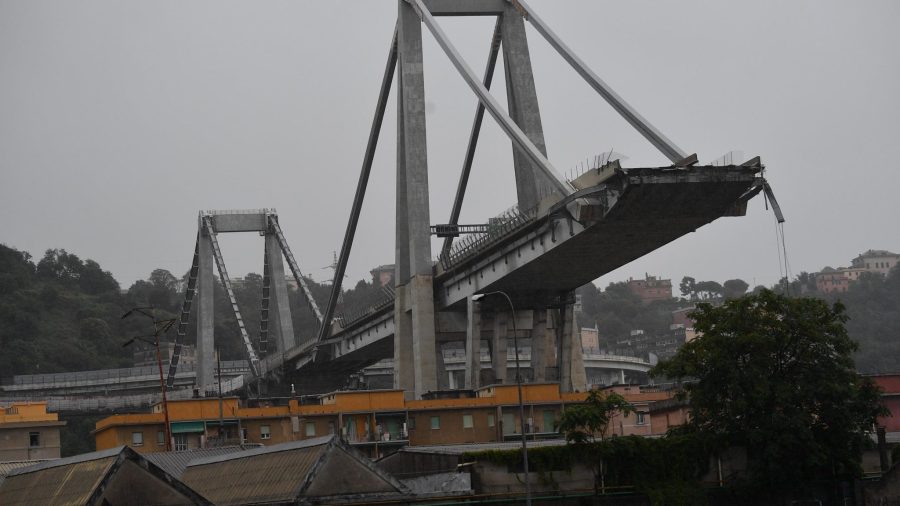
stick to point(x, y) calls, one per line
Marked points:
point(651, 288)
point(879, 261)
point(28, 432)
point(832, 281)
point(375, 422)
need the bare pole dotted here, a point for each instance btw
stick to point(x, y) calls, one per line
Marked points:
point(512, 310)
point(473, 137)
point(660, 141)
point(375, 131)
point(490, 103)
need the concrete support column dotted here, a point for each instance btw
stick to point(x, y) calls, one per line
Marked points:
point(404, 378)
point(541, 351)
point(473, 344)
point(523, 106)
point(498, 347)
point(279, 308)
point(413, 240)
point(206, 359)
point(571, 361)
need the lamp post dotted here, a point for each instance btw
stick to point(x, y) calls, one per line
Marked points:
point(512, 309)
point(159, 327)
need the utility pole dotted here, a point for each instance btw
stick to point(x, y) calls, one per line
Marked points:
point(160, 327)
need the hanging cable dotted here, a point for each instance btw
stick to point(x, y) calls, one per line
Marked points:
point(787, 264)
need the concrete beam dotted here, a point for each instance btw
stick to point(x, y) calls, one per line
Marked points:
point(465, 7)
point(239, 222)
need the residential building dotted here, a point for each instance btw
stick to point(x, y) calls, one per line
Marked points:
point(661, 344)
point(651, 288)
point(382, 275)
point(376, 422)
point(832, 281)
point(590, 339)
point(28, 432)
point(879, 261)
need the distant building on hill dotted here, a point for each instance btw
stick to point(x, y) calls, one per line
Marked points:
point(661, 344)
point(832, 281)
point(651, 288)
point(382, 275)
point(838, 280)
point(879, 261)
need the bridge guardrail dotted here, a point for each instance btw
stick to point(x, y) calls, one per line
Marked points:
point(499, 227)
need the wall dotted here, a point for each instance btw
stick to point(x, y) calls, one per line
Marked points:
point(15, 441)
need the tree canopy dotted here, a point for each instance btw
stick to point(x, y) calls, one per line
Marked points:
point(776, 375)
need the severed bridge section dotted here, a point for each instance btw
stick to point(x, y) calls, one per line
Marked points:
point(512, 278)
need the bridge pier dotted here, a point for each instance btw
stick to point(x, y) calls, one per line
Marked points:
point(572, 377)
point(473, 344)
point(205, 357)
point(498, 347)
point(279, 308)
point(523, 106)
point(414, 341)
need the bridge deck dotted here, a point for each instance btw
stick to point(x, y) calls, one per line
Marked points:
point(636, 212)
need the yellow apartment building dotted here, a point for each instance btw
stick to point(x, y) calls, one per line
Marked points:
point(28, 432)
point(377, 422)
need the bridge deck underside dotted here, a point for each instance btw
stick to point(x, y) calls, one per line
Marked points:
point(327, 375)
point(645, 218)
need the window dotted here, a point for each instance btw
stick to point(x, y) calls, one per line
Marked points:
point(468, 423)
point(265, 432)
point(137, 439)
point(180, 442)
point(411, 423)
point(310, 429)
point(244, 435)
point(490, 420)
point(34, 439)
point(435, 422)
point(549, 420)
point(641, 420)
point(161, 438)
point(331, 427)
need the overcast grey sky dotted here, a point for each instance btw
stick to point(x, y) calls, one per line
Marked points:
point(120, 120)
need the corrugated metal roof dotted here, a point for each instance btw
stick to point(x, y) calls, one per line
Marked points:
point(262, 450)
point(174, 463)
point(76, 459)
point(62, 484)
point(6, 467)
point(254, 476)
point(477, 447)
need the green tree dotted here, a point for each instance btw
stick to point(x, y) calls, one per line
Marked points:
point(687, 287)
point(734, 288)
point(775, 375)
point(709, 289)
point(584, 423)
